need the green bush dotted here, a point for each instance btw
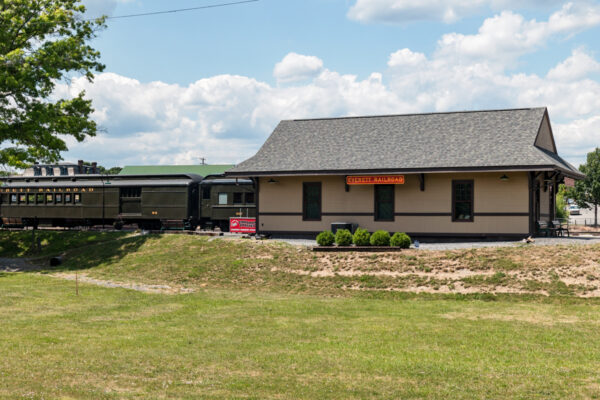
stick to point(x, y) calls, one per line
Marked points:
point(380, 238)
point(343, 237)
point(361, 237)
point(400, 239)
point(325, 238)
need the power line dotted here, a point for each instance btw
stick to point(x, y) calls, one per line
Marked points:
point(184, 9)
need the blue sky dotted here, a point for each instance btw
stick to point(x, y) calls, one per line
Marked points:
point(214, 83)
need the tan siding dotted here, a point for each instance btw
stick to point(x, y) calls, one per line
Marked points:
point(491, 196)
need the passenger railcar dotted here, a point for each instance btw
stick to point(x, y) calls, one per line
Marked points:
point(223, 198)
point(151, 202)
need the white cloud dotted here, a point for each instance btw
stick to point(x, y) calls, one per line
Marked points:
point(505, 37)
point(97, 8)
point(226, 118)
point(297, 67)
point(578, 66)
point(402, 11)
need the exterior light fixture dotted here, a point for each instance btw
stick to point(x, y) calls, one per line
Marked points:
point(272, 181)
point(504, 178)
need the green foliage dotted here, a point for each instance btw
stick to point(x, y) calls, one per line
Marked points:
point(361, 237)
point(561, 203)
point(380, 238)
point(400, 239)
point(586, 193)
point(325, 238)
point(343, 237)
point(41, 43)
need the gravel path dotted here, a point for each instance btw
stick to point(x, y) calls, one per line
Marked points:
point(580, 240)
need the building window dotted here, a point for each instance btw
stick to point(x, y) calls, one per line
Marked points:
point(222, 198)
point(311, 201)
point(64, 171)
point(237, 198)
point(49, 171)
point(37, 171)
point(462, 201)
point(384, 202)
point(249, 198)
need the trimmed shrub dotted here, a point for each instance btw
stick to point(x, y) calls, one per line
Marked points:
point(380, 238)
point(325, 238)
point(400, 239)
point(343, 237)
point(361, 237)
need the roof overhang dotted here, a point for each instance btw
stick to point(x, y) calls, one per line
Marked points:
point(443, 170)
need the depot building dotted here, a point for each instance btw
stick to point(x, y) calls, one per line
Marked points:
point(491, 173)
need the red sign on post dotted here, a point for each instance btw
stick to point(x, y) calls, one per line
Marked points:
point(242, 225)
point(375, 180)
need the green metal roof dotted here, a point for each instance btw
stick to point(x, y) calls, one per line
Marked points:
point(202, 170)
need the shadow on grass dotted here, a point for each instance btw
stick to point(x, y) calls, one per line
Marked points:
point(95, 254)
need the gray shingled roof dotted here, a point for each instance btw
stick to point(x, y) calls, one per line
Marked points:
point(456, 140)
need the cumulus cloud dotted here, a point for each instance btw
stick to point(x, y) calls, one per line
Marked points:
point(97, 8)
point(226, 118)
point(297, 67)
point(579, 65)
point(402, 11)
point(507, 36)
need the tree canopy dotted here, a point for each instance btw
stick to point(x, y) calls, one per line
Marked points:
point(586, 193)
point(41, 43)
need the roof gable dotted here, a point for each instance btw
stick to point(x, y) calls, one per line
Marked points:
point(545, 138)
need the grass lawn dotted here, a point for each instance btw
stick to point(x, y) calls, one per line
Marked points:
point(116, 343)
point(268, 320)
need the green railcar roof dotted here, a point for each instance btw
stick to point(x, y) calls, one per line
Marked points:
point(202, 170)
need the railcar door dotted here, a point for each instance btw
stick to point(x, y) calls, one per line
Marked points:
point(130, 201)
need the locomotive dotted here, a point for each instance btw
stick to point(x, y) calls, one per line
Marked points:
point(175, 201)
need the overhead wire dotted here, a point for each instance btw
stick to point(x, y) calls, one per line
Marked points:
point(184, 9)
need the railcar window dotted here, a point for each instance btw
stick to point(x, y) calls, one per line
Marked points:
point(49, 198)
point(40, 198)
point(31, 198)
point(130, 192)
point(67, 197)
point(13, 199)
point(22, 198)
point(237, 198)
point(206, 193)
point(77, 198)
point(222, 198)
point(58, 197)
point(250, 198)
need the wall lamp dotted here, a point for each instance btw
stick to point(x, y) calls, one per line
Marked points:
point(272, 181)
point(504, 178)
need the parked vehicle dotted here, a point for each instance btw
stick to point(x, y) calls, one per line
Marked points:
point(574, 210)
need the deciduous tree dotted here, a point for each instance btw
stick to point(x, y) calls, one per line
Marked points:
point(586, 193)
point(41, 43)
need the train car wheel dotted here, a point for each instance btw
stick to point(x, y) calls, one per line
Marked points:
point(118, 225)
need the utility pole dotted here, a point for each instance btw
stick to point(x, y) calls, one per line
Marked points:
point(202, 160)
